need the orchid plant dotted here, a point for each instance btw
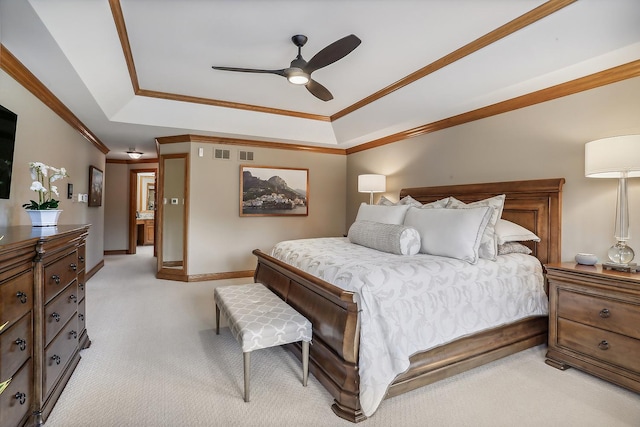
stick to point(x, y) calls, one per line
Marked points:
point(43, 176)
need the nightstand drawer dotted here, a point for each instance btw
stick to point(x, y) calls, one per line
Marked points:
point(600, 344)
point(600, 312)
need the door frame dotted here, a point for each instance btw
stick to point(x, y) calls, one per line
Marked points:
point(133, 199)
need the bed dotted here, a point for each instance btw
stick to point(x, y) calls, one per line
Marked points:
point(334, 312)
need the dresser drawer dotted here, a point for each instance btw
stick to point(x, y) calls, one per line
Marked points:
point(59, 274)
point(59, 311)
point(600, 312)
point(81, 285)
point(15, 346)
point(81, 316)
point(59, 352)
point(82, 257)
point(600, 344)
point(15, 401)
point(16, 298)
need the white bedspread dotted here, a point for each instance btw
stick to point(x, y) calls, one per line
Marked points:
point(410, 304)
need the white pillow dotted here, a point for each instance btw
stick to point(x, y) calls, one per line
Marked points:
point(454, 233)
point(489, 245)
point(383, 214)
point(507, 231)
point(392, 238)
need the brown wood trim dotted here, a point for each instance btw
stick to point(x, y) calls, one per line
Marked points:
point(22, 75)
point(229, 104)
point(121, 28)
point(509, 28)
point(131, 161)
point(131, 212)
point(602, 78)
point(220, 276)
point(90, 273)
point(248, 143)
point(117, 252)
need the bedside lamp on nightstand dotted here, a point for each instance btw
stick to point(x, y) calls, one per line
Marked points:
point(372, 183)
point(616, 157)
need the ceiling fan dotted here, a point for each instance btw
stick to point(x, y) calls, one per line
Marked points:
point(299, 72)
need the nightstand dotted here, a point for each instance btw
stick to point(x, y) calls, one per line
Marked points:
point(594, 322)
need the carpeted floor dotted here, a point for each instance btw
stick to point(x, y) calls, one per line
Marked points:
point(155, 361)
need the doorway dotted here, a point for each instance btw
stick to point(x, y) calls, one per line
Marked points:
point(142, 209)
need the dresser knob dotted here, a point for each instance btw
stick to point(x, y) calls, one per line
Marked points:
point(80, 316)
point(81, 286)
point(22, 344)
point(604, 345)
point(73, 334)
point(56, 279)
point(604, 313)
point(56, 359)
point(22, 297)
point(81, 259)
point(73, 298)
point(21, 397)
point(55, 316)
point(73, 266)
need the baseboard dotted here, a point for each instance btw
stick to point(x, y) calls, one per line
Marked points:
point(117, 252)
point(89, 274)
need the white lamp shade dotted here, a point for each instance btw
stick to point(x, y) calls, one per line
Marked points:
point(372, 183)
point(610, 157)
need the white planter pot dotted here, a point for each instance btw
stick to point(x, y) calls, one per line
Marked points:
point(44, 218)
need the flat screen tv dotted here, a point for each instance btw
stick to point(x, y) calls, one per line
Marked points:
point(8, 121)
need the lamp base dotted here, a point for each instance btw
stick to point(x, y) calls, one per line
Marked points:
point(620, 253)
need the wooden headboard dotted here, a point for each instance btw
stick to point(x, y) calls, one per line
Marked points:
point(535, 205)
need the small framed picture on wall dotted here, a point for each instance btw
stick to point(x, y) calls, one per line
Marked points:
point(95, 186)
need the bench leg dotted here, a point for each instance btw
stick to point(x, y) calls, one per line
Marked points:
point(305, 362)
point(247, 374)
point(217, 320)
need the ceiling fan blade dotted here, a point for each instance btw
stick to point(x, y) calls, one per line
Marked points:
point(318, 90)
point(330, 54)
point(251, 70)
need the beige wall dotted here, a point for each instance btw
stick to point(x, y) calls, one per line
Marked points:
point(220, 240)
point(542, 141)
point(41, 135)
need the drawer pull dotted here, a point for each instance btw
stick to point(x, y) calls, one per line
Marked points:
point(80, 316)
point(56, 359)
point(73, 334)
point(22, 297)
point(81, 286)
point(604, 345)
point(81, 259)
point(604, 313)
point(56, 279)
point(73, 266)
point(22, 344)
point(73, 298)
point(4, 385)
point(55, 316)
point(21, 397)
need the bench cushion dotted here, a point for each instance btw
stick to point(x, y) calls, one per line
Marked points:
point(258, 318)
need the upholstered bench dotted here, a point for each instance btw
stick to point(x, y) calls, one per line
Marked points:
point(258, 318)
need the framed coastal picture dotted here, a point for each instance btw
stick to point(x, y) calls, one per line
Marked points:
point(273, 191)
point(95, 186)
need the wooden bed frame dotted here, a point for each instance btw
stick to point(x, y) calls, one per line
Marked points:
point(536, 205)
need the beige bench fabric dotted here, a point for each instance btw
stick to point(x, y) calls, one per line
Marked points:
point(258, 318)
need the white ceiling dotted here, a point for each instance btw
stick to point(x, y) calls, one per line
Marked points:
point(73, 47)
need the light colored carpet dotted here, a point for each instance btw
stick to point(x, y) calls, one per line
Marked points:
point(156, 361)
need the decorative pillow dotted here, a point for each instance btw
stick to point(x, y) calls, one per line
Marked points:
point(489, 245)
point(383, 214)
point(442, 203)
point(513, 248)
point(385, 202)
point(408, 200)
point(507, 231)
point(392, 238)
point(454, 233)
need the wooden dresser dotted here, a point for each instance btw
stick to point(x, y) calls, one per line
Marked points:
point(594, 322)
point(42, 318)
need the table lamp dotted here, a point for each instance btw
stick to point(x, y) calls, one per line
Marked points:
point(372, 183)
point(616, 157)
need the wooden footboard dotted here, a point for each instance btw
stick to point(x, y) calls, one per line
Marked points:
point(535, 205)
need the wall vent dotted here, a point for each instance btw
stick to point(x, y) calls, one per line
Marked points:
point(246, 155)
point(222, 154)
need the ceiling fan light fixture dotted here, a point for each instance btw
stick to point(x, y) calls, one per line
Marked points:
point(297, 76)
point(134, 154)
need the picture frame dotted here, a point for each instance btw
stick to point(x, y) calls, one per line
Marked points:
point(273, 191)
point(95, 186)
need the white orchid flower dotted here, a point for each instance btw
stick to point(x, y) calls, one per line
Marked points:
point(54, 190)
point(37, 186)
